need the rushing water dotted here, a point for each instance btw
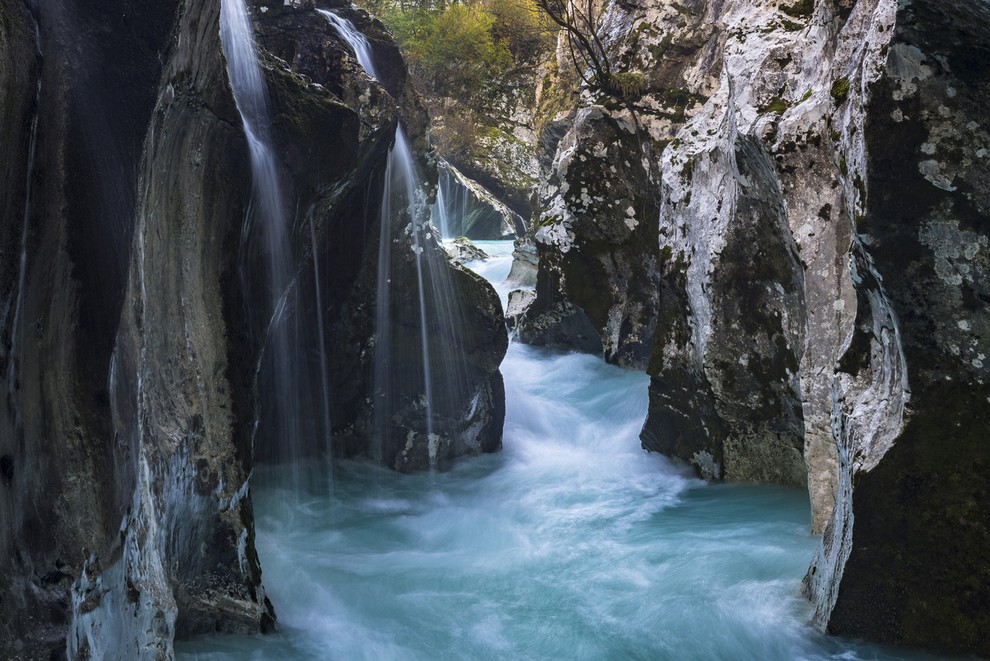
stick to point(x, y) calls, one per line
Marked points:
point(571, 543)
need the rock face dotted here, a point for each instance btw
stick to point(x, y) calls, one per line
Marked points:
point(501, 158)
point(784, 225)
point(917, 570)
point(469, 210)
point(129, 339)
point(525, 262)
point(125, 510)
point(345, 208)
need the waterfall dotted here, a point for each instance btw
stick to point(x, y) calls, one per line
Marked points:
point(444, 377)
point(465, 208)
point(286, 398)
point(356, 40)
point(399, 197)
point(439, 214)
point(320, 326)
point(399, 201)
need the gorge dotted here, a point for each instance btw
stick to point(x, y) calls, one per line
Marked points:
point(710, 381)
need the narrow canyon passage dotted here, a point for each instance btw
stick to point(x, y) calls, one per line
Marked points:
point(570, 543)
point(494, 329)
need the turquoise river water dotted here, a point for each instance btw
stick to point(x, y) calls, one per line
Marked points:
point(571, 543)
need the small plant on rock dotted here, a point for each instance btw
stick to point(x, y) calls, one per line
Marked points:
point(840, 91)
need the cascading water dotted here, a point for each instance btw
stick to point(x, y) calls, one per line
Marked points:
point(356, 40)
point(439, 213)
point(400, 198)
point(464, 208)
point(283, 371)
point(571, 543)
point(403, 205)
point(451, 208)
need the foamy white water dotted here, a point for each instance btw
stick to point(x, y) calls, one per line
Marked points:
point(572, 543)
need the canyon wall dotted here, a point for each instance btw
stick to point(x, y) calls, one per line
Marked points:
point(783, 221)
point(130, 348)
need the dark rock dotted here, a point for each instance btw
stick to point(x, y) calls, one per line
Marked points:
point(748, 390)
point(467, 404)
point(561, 326)
point(344, 206)
point(128, 348)
point(184, 562)
point(595, 248)
point(917, 571)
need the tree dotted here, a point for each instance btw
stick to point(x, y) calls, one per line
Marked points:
point(579, 21)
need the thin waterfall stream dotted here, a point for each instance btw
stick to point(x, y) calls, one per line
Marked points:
point(283, 374)
point(22, 260)
point(403, 201)
point(356, 40)
point(400, 197)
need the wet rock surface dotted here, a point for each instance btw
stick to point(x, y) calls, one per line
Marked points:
point(345, 206)
point(129, 349)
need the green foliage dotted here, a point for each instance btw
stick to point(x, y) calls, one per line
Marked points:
point(451, 51)
point(840, 91)
point(519, 24)
point(800, 9)
point(459, 49)
point(627, 85)
point(777, 105)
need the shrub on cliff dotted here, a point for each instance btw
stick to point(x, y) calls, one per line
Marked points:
point(451, 51)
point(522, 27)
point(461, 49)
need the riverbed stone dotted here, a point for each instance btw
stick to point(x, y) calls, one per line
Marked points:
point(462, 250)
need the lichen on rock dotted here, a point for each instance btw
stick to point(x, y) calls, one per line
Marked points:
point(812, 185)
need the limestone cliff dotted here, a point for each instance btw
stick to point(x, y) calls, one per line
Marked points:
point(783, 223)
